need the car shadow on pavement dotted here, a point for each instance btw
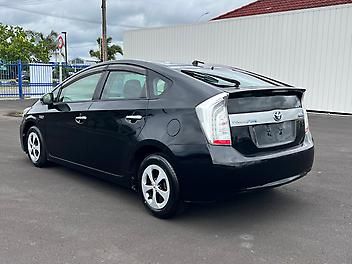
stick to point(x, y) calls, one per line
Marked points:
point(245, 209)
point(105, 185)
point(248, 209)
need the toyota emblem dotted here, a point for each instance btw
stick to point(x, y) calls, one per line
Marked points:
point(277, 116)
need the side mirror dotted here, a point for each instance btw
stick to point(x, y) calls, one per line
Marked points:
point(47, 99)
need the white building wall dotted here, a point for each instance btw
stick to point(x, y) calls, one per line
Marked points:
point(308, 48)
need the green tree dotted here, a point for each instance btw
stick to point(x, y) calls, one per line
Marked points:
point(26, 45)
point(112, 50)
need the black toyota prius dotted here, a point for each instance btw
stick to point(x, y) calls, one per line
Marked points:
point(173, 132)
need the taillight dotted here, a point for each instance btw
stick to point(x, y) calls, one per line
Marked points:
point(214, 119)
point(306, 123)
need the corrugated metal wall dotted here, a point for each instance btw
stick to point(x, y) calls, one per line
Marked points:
point(309, 48)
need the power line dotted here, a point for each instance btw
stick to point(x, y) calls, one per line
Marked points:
point(34, 2)
point(67, 17)
point(81, 48)
point(77, 46)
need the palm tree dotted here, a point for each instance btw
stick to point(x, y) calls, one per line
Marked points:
point(112, 50)
point(43, 45)
point(51, 39)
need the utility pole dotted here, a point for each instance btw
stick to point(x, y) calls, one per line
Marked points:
point(66, 57)
point(104, 46)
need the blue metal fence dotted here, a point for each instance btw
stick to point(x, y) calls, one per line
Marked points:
point(24, 80)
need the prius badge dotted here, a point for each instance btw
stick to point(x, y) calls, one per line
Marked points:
point(277, 116)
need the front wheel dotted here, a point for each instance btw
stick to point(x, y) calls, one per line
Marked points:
point(35, 147)
point(159, 186)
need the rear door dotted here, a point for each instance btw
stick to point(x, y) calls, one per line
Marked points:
point(66, 121)
point(116, 119)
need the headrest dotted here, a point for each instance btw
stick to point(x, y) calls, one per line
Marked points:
point(132, 89)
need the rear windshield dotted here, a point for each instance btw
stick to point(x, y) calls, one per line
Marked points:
point(223, 77)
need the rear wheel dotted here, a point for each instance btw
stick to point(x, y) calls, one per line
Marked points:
point(159, 186)
point(35, 147)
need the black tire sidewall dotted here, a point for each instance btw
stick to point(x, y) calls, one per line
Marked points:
point(43, 156)
point(173, 203)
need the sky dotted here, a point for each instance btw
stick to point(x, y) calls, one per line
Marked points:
point(81, 18)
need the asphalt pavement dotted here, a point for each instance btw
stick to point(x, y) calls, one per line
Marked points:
point(57, 215)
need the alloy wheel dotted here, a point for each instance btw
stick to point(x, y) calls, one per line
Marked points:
point(155, 187)
point(33, 146)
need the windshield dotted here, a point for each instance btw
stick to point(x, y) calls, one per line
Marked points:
point(223, 77)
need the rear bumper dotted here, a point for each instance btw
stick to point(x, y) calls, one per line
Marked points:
point(276, 183)
point(219, 171)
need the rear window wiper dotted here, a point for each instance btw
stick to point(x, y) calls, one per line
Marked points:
point(202, 77)
point(213, 79)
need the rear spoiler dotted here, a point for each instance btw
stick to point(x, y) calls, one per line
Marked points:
point(263, 91)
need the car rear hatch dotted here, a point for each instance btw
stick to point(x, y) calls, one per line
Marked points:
point(265, 120)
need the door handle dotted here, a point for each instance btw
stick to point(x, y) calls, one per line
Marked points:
point(133, 118)
point(80, 119)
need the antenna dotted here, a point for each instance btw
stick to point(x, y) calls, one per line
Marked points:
point(197, 62)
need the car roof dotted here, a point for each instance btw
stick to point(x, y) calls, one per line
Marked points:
point(172, 68)
point(149, 64)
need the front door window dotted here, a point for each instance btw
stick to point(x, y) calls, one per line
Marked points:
point(81, 90)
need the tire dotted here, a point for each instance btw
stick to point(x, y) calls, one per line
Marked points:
point(36, 149)
point(158, 187)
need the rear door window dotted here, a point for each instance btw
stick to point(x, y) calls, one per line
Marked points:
point(124, 85)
